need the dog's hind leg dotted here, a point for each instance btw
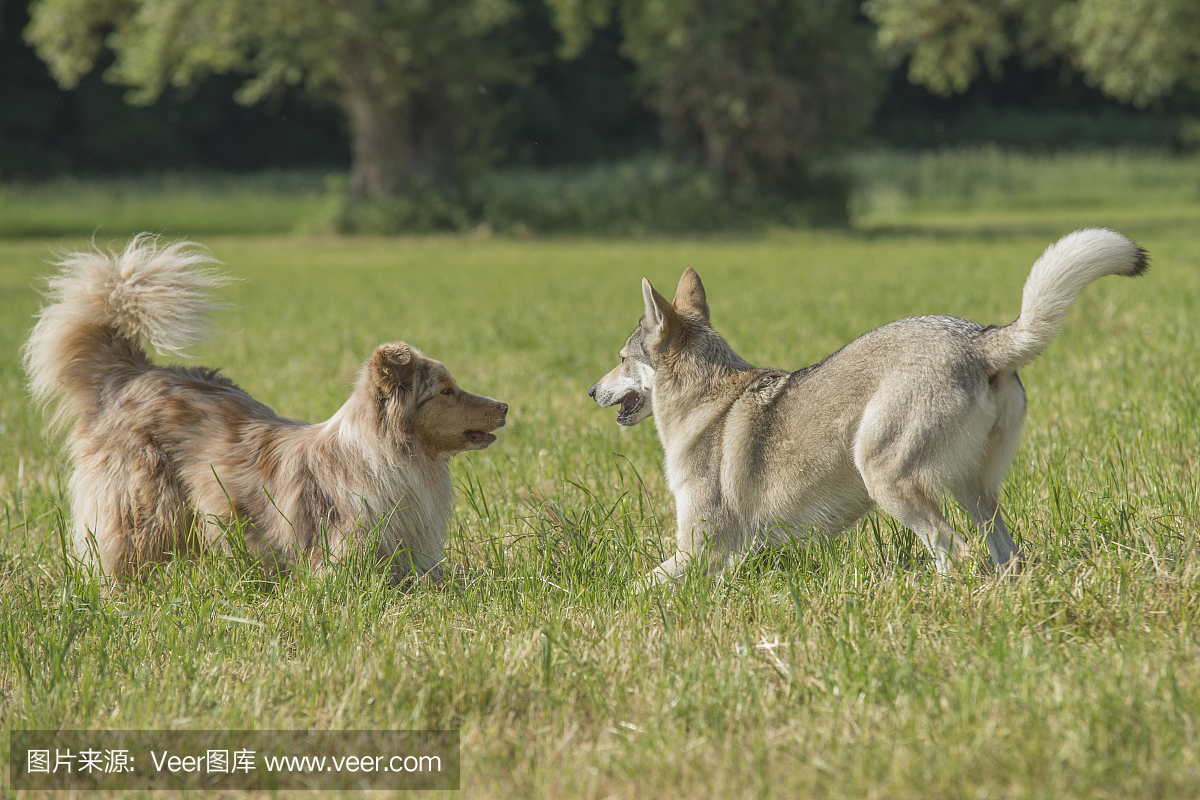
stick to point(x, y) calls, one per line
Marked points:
point(128, 510)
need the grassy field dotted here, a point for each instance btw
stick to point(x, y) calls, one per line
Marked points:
point(195, 204)
point(990, 186)
point(846, 668)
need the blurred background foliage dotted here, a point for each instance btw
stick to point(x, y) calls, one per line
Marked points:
point(612, 114)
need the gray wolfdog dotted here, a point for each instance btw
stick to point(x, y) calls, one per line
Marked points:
point(166, 458)
point(900, 417)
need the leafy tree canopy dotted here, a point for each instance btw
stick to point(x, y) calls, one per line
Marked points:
point(411, 75)
point(753, 88)
point(1135, 50)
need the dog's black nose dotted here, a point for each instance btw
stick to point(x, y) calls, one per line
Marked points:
point(592, 392)
point(503, 409)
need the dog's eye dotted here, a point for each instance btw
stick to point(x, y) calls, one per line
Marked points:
point(447, 392)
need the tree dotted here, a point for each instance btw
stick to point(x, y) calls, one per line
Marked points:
point(411, 76)
point(1135, 50)
point(755, 89)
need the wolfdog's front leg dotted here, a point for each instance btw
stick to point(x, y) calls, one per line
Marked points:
point(705, 541)
point(668, 571)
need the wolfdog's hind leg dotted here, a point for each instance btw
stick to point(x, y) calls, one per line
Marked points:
point(984, 510)
point(916, 510)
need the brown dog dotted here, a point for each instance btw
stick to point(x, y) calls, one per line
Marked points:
point(166, 458)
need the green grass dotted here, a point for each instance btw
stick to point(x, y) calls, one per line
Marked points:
point(991, 187)
point(846, 668)
point(173, 203)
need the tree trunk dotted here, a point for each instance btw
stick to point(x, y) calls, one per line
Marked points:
point(394, 145)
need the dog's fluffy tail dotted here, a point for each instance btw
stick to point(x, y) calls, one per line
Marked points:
point(1056, 279)
point(102, 306)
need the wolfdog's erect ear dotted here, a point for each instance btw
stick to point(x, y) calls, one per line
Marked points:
point(391, 366)
point(690, 297)
point(660, 314)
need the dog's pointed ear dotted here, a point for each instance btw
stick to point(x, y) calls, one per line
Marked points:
point(660, 315)
point(392, 367)
point(690, 297)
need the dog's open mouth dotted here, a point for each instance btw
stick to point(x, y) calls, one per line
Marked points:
point(481, 438)
point(631, 404)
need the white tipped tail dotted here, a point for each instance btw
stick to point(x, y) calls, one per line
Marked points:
point(1055, 281)
point(103, 305)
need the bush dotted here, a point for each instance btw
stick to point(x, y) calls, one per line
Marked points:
point(648, 194)
point(1036, 131)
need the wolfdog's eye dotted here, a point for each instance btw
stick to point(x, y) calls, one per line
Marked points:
point(448, 392)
